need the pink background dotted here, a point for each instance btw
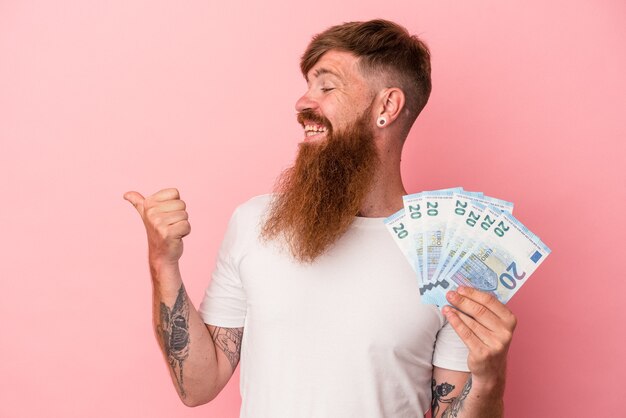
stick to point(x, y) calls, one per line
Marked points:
point(97, 98)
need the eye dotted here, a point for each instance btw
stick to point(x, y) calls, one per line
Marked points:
point(327, 89)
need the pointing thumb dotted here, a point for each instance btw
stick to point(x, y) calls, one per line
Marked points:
point(136, 199)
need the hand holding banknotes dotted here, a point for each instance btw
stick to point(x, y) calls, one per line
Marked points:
point(166, 222)
point(470, 256)
point(486, 327)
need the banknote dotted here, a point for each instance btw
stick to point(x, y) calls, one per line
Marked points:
point(461, 233)
point(452, 242)
point(414, 210)
point(500, 262)
point(468, 234)
point(397, 226)
point(438, 204)
point(453, 237)
point(461, 200)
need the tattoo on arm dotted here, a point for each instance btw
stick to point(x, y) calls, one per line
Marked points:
point(439, 395)
point(174, 333)
point(229, 341)
point(457, 404)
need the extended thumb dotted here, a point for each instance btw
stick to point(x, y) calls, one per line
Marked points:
point(136, 199)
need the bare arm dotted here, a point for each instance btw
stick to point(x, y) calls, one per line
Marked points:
point(486, 327)
point(201, 360)
point(456, 395)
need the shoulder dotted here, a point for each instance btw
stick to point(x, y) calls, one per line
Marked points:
point(256, 204)
point(253, 209)
point(245, 224)
point(249, 215)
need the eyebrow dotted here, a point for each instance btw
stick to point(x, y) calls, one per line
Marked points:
point(321, 71)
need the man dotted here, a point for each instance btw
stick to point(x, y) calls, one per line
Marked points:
point(309, 288)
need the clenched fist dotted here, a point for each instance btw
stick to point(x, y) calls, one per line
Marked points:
point(166, 222)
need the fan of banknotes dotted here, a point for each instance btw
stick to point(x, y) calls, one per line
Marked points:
point(455, 238)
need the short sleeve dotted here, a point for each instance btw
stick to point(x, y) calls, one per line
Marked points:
point(450, 351)
point(224, 302)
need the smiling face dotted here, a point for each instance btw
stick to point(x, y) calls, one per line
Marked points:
point(317, 198)
point(337, 95)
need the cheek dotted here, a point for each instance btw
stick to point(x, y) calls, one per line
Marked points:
point(340, 111)
point(330, 112)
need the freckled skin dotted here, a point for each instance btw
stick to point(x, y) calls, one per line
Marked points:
point(350, 93)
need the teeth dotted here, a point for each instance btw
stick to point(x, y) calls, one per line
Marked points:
point(313, 128)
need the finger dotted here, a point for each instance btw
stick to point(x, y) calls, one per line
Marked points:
point(165, 194)
point(486, 336)
point(170, 218)
point(174, 205)
point(181, 229)
point(478, 311)
point(167, 206)
point(136, 199)
point(469, 338)
point(490, 301)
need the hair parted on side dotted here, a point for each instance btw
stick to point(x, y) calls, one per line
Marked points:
point(383, 47)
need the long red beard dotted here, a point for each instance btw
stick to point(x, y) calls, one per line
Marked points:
point(317, 199)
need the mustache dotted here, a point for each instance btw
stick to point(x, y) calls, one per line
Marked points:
point(309, 115)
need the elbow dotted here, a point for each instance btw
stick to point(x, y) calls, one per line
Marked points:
point(192, 402)
point(199, 393)
point(200, 399)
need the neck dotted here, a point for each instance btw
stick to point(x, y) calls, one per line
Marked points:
point(385, 195)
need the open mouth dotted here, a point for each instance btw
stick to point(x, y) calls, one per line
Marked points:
point(311, 130)
point(316, 127)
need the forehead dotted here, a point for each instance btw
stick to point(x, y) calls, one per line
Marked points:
point(341, 64)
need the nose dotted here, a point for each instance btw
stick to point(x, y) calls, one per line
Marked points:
point(306, 103)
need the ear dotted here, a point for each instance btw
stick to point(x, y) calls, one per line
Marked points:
point(391, 104)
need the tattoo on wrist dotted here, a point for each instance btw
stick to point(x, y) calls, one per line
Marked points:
point(173, 330)
point(457, 404)
point(229, 341)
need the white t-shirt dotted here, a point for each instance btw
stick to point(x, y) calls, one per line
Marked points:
point(345, 336)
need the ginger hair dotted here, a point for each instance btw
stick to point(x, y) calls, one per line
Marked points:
point(384, 49)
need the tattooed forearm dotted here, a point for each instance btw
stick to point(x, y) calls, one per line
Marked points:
point(440, 392)
point(229, 341)
point(174, 333)
point(456, 406)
